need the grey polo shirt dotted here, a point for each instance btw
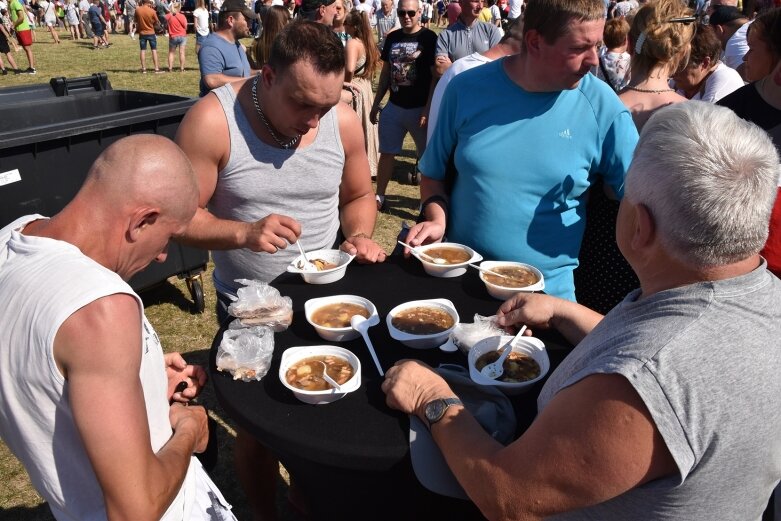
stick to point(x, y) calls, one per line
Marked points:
point(458, 40)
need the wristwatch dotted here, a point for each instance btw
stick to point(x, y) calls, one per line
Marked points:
point(435, 409)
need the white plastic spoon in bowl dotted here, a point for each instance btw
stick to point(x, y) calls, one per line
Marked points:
point(486, 270)
point(496, 369)
point(306, 265)
point(328, 379)
point(435, 260)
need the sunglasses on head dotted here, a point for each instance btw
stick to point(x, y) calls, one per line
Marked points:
point(402, 13)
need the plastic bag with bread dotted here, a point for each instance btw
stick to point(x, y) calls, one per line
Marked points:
point(258, 304)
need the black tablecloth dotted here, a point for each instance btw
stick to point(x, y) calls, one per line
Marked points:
point(357, 436)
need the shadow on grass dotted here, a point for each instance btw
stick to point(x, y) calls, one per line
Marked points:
point(37, 513)
point(405, 208)
point(168, 293)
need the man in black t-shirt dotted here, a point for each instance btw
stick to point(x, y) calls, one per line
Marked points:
point(408, 59)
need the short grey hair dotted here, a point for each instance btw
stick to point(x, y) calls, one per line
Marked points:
point(709, 179)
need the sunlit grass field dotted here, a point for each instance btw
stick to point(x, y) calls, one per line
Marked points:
point(167, 305)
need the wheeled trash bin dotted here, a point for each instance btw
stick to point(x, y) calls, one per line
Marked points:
point(51, 134)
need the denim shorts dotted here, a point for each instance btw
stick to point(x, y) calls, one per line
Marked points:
point(176, 41)
point(144, 38)
point(200, 39)
point(395, 122)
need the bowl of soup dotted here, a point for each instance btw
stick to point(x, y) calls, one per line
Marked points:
point(454, 258)
point(517, 277)
point(330, 316)
point(526, 365)
point(301, 369)
point(326, 266)
point(422, 324)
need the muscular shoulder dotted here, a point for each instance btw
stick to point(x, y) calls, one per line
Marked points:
point(350, 129)
point(192, 136)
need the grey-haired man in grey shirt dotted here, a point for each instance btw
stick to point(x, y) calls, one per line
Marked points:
point(668, 407)
point(468, 35)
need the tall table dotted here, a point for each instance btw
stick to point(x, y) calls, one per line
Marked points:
point(351, 457)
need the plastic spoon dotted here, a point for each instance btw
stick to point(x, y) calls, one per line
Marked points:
point(362, 325)
point(328, 379)
point(435, 260)
point(449, 346)
point(486, 270)
point(496, 369)
point(306, 265)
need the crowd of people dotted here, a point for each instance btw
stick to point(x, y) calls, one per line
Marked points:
point(628, 150)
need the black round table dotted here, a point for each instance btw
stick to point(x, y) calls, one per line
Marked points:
point(351, 457)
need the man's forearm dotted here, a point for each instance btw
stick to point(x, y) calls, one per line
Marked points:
point(574, 320)
point(358, 216)
point(218, 80)
point(211, 233)
point(382, 88)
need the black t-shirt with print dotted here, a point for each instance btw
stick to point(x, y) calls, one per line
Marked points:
point(411, 57)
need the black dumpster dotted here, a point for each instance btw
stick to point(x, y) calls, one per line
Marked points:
point(51, 134)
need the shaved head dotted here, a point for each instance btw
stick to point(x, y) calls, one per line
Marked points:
point(143, 169)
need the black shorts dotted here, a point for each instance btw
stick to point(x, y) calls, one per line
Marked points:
point(4, 48)
point(424, 19)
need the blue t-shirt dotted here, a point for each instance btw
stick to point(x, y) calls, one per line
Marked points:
point(219, 56)
point(525, 161)
point(95, 12)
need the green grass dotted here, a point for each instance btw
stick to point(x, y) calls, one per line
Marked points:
point(165, 305)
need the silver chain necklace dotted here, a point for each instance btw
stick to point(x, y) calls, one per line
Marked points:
point(284, 144)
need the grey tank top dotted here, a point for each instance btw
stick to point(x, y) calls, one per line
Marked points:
point(259, 180)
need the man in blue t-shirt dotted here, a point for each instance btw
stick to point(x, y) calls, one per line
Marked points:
point(527, 154)
point(222, 59)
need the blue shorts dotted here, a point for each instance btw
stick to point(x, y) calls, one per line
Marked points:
point(177, 41)
point(200, 39)
point(144, 38)
point(395, 122)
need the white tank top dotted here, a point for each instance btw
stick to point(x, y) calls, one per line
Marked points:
point(43, 282)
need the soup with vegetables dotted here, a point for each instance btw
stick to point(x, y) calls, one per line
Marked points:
point(307, 374)
point(518, 367)
point(519, 277)
point(422, 320)
point(451, 255)
point(338, 315)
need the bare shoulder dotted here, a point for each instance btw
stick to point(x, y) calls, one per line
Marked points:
point(349, 125)
point(104, 333)
point(207, 113)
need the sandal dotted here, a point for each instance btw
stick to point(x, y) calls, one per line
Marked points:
point(143, 71)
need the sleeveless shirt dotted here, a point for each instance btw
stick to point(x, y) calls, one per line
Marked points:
point(260, 179)
point(43, 282)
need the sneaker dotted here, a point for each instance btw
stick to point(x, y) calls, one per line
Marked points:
point(29, 70)
point(380, 199)
point(4, 72)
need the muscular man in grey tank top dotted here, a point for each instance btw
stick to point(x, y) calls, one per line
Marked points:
point(278, 160)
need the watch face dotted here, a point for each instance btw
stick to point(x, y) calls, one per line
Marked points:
point(435, 410)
